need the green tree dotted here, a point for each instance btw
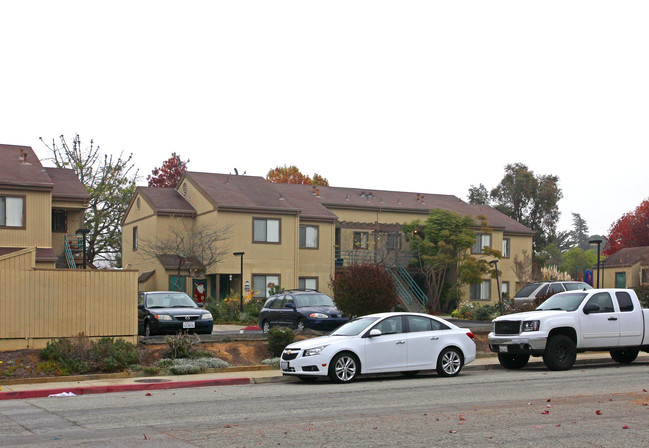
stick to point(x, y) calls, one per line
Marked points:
point(364, 289)
point(110, 181)
point(479, 195)
point(441, 245)
point(579, 233)
point(531, 200)
point(576, 261)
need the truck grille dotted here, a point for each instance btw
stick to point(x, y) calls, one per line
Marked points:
point(507, 327)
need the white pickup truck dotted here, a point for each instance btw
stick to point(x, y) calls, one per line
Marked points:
point(571, 322)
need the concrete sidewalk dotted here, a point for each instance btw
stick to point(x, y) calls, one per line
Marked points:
point(98, 384)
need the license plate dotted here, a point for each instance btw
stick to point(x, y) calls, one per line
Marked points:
point(502, 348)
point(189, 324)
point(284, 365)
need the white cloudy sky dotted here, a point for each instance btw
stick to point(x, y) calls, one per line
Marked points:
point(421, 96)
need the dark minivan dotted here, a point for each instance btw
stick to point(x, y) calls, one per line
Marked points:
point(300, 309)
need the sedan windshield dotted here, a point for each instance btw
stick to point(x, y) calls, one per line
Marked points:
point(314, 300)
point(170, 300)
point(565, 302)
point(355, 327)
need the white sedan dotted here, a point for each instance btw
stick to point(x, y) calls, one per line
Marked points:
point(380, 343)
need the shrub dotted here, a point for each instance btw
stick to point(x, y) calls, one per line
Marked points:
point(110, 355)
point(485, 312)
point(278, 339)
point(364, 289)
point(191, 366)
point(271, 362)
point(79, 355)
point(643, 294)
point(183, 345)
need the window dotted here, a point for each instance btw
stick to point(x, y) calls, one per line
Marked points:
point(390, 325)
point(482, 240)
point(603, 302)
point(504, 290)
point(481, 291)
point(262, 284)
point(12, 211)
point(309, 237)
point(624, 301)
point(361, 240)
point(59, 221)
point(419, 323)
point(394, 241)
point(645, 275)
point(506, 246)
point(265, 230)
point(135, 238)
point(307, 283)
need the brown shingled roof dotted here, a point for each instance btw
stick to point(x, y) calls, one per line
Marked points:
point(628, 257)
point(166, 201)
point(67, 185)
point(20, 167)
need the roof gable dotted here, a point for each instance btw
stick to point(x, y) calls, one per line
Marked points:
point(628, 257)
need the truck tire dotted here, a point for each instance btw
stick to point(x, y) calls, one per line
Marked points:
point(560, 353)
point(513, 361)
point(625, 356)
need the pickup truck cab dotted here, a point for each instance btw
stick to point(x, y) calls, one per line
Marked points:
point(572, 322)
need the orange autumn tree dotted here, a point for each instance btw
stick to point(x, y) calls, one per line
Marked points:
point(169, 173)
point(292, 175)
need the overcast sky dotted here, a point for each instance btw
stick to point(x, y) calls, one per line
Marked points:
point(430, 96)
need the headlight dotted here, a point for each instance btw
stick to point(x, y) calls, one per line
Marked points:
point(162, 317)
point(313, 351)
point(531, 325)
point(206, 316)
point(318, 316)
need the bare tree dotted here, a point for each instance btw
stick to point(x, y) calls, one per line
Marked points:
point(524, 269)
point(192, 247)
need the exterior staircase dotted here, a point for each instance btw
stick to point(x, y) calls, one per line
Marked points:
point(73, 249)
point(410, 294)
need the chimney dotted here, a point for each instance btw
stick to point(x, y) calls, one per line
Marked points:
point(418, 197)
point(314, 190)
point(317, 191)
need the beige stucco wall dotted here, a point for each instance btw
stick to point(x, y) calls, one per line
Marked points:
point(38, 221)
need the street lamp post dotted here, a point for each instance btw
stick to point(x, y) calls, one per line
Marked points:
point(83, 233)
point(240, 254)
point(598, 242)
point(500, 301)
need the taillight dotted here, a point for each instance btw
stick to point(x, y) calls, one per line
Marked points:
point(469, 334)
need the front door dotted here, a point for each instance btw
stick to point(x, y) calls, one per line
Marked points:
point(600, 328)
point(620, 280)
point(389, 351)
point(424, 342)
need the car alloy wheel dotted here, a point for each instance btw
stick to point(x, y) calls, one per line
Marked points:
point(449, 362)
point(343, 368)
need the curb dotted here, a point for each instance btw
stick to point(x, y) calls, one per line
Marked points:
point(88, 390)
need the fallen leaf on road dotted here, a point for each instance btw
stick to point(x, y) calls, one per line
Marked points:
point(625, 427)
point(148, 394)
point(598, 412)
point(452, 431)
point(146, 438)
point(546, 412)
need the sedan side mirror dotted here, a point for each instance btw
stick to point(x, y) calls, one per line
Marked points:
point(375, 332)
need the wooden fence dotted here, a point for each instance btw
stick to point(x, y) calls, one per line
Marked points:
point(38, 305)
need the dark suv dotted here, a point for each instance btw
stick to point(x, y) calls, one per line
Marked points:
point(301, 309)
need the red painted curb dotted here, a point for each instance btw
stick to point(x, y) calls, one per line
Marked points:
point(87, 390)
point(250, 328)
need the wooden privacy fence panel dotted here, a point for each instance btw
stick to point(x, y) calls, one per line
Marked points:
point(38, 305)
